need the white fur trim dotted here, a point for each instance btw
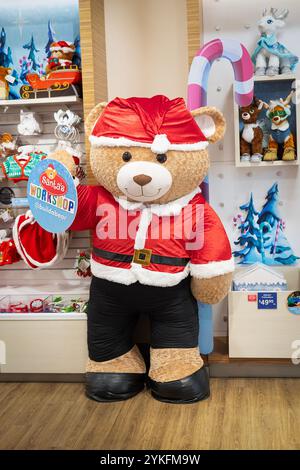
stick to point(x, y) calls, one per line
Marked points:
point(111, 273)
point(160, 144)
point(171, 208)
point(64, 49)
point(65, 61)
point(141, 234)
point(174, 207)
point(215, 268)
point(137, 273)
point(123, 142)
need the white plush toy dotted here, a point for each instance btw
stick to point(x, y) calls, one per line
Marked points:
point(270, 56)
point(30, 124)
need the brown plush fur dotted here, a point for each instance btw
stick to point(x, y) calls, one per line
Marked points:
point(106, 162)
point(65, 158)
point(213, 290)
point(132, 361)
point(172, 364)
point(4, 86)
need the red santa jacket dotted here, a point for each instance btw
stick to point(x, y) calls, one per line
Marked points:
point(154, 244)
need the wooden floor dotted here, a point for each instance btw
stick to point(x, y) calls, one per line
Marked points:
point(241, 414)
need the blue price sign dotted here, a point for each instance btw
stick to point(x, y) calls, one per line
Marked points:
point(52, 196)
point(267, 300)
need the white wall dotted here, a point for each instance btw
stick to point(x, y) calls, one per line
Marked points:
point(229, 185)
point(146, 44)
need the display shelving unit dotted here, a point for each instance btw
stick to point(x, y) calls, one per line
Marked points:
point(272, 81)
point(39, 101)
point(38, 344)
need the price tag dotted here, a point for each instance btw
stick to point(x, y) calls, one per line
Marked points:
point(10, 78)
point(267, 300)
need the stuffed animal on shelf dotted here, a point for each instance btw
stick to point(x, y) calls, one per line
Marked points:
point(8, 145)
point(5, 73)
point(62, 53)
point(158, 246)
point(278, 112)
point(270, 56)
point(252, 135)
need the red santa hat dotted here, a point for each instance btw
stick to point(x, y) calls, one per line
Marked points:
point(157, 123)
point(37, 247)
point(64, 46)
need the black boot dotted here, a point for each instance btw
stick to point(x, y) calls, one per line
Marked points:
point(190, 389)
point(113, 386)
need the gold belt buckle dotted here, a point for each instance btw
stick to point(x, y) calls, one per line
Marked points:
point(142, 257)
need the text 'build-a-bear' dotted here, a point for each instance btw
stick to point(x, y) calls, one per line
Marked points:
point(158, 246)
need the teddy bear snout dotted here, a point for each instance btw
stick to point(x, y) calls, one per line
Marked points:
point(246, 116)
point(142, 180)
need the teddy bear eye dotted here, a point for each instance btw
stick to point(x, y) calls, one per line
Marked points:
point(126, 156)
point(251, 111)
point(161, 158)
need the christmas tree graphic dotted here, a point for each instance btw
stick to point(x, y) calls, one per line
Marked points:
point(5, 57)
point(31, 56)
point(250, 238)
point(77, 53)
point(51, 39)
point(262, 236)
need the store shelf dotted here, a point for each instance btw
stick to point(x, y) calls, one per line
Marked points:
point(220, 355)
point(22, 102)
point(221, 365)
point(274, 163)
point(42, 316)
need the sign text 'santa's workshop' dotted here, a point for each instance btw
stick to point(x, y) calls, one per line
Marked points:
point(60, 202)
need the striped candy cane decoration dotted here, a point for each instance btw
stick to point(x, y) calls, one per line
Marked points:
point(241, 63)
point(242, 66)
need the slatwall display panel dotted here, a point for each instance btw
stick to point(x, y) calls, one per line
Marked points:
point(231, 186)
point(19, 273)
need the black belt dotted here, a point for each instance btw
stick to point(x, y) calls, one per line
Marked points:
point(144, 257)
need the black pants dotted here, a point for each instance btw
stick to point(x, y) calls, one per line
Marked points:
point(114, 309)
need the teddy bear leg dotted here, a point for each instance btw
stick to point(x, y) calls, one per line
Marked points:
point(177, 373)
point(116, 379)
point(115, 369)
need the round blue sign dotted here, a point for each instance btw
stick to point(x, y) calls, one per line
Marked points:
point(52, 196)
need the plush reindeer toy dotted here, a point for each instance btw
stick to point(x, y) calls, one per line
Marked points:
point(251, 135)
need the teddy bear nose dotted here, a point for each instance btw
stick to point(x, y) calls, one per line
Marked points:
point(142, 180)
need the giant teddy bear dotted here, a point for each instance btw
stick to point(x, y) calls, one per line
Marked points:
point(158, 246)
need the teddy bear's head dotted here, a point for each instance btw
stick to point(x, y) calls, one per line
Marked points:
point(62, 50)
point(151, 150)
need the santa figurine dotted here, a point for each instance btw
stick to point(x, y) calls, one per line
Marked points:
point(61, 55)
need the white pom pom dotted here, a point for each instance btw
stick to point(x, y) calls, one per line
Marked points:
point(160, 144)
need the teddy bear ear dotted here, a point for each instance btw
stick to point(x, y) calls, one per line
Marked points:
point(211, 122)
point(93, 116)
